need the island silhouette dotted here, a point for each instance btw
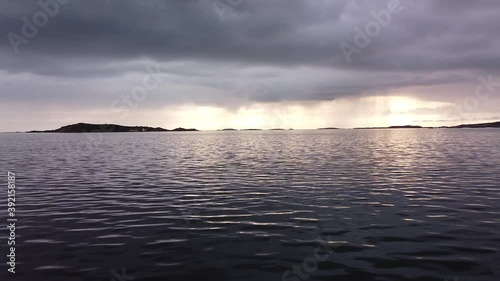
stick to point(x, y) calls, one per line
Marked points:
point(109, 128)
point(113, 128)
point(481, 125)
point(328, 128)
point(463, 126)
point(391, 127)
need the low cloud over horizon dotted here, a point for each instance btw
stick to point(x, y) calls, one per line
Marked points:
point(248, 63)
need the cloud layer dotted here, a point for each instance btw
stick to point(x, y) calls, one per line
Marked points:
point(232, 54)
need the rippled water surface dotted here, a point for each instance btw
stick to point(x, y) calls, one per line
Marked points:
point(270, 205)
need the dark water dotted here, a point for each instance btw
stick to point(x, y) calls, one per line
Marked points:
point(292, 205)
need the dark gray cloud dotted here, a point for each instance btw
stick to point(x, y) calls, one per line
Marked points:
point(442, 35)
point(260, 51)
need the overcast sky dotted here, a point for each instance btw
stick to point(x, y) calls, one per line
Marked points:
point(248, 63)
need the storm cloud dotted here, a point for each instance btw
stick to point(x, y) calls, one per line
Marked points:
point(235, 53)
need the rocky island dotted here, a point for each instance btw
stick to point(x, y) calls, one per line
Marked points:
point(108, 128)
point(463, 126)
point(477, 126)
point(391, 127)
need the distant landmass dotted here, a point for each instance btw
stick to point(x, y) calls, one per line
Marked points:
point(108, 128)
point(463, 126)
point(481, 125)
point(391, 127)
point(112, 128)
point(406, 127)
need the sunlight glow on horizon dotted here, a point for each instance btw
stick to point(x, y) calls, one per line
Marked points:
point(378, 111)
point(369, 111)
